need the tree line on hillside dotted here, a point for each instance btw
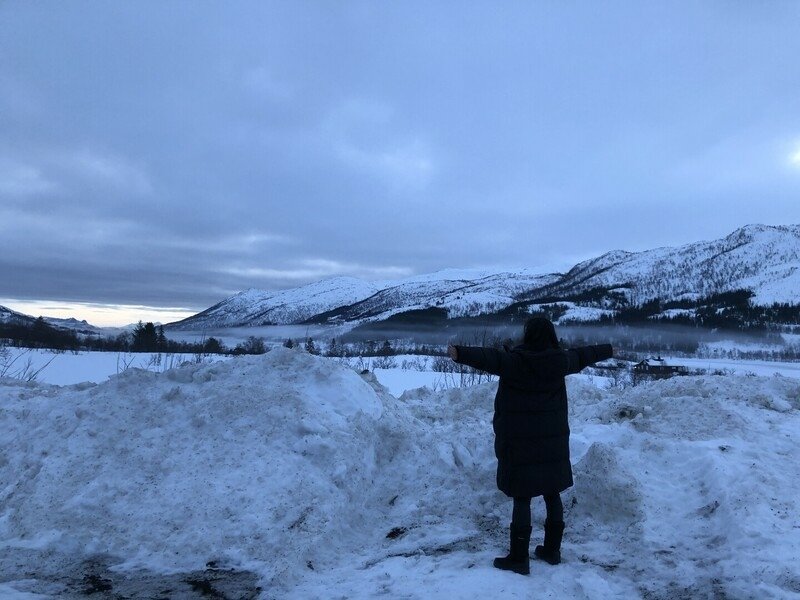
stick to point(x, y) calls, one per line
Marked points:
point(144, 337)
point(731, 310)
point(38, 334)
point(367, 348)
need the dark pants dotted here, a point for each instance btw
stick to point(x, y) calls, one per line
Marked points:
point(521, 517)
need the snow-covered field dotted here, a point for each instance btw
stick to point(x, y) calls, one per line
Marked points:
point(409, 371)
point(299, 476)
point(764, 368)
point(66, 368)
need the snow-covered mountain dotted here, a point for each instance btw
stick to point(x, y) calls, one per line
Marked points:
point(446, 290)
point(256, 307)
point(8, 316)
point(760, 258)
point(81, 327)
point(347, 299)
point(13, 317)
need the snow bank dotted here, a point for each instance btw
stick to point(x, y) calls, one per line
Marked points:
point(300, 469)
point(691, 484)
point(249, 461)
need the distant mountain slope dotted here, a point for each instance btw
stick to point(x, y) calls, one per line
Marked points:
point(75, 325)
point(81, 327)
point(11, 316)
point(762, 259)
point(459, 297)
point(759, 258)
point(257, 307)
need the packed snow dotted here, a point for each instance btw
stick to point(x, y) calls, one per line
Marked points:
point(303, 478)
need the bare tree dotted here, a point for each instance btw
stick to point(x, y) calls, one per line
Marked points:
point(20, 366)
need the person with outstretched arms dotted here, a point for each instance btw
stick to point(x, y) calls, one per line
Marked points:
point(531, 430)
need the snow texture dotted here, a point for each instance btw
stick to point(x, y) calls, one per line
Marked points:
point(314, 477)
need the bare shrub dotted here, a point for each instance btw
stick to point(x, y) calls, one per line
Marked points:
point(620, 379)
point(363, 364)
point(413, 364)
point(384, 362)
point(443, 364)
point(124, 361)
point(20, 366)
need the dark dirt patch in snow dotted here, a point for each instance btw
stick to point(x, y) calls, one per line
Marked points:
point(95, 578)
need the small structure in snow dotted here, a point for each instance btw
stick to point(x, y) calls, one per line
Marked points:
point(656, 368)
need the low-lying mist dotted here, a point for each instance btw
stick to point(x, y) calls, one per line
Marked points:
point(674, 339)
point(670, 339)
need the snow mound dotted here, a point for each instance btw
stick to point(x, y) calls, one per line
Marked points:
point(252, 460)
point(606, 491)
point(314, 477)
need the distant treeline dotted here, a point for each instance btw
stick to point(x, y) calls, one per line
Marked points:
point(144, 337)
point(727, 310)
point(731, 311)
point(38, 335)
point(368, 348)
point(634, 330)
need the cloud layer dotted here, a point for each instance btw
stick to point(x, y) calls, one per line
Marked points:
point(170, 154)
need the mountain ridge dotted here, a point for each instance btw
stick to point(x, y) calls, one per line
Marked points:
point(13, 317)
point(764, 259)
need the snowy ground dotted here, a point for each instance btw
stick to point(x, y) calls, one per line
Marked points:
point(67, 368)
point(293, 476)
point(764, 368)
point(410, 371)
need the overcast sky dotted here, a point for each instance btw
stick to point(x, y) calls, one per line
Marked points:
point(168, 154)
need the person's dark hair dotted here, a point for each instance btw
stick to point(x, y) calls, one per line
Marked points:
point(540, 334)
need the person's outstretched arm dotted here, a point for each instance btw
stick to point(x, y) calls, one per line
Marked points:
point(580, 358)
point(496, 362)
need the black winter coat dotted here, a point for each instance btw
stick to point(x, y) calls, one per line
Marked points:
point(530, 413)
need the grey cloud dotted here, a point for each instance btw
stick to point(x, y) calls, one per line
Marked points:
point(171, 153)
point(22, 180)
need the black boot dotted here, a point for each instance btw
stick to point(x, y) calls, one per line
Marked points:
point(550, 551)
point(517, 559)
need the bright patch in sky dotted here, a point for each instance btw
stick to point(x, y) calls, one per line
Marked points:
point(102, 315)
point(795, 158)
